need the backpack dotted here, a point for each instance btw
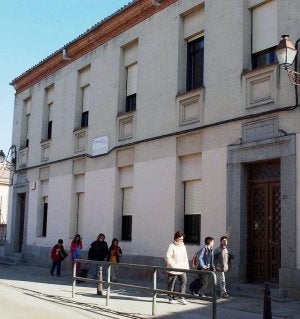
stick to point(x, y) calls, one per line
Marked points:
point(195, 260)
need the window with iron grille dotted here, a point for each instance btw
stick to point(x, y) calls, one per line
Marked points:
point(195, 63)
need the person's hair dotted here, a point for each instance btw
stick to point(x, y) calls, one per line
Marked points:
point(178, 234)
point(101, 235)
point(60, 241)
point(208, 240)
point(115, 239)
point(76, 236)
point(223, 237)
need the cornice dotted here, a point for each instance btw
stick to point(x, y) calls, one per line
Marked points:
point(118, 23)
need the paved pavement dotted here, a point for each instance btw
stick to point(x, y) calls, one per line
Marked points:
point(127, 303)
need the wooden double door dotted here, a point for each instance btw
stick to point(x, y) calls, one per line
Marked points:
point(264, 222)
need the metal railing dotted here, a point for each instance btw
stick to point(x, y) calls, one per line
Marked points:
point(153, 290)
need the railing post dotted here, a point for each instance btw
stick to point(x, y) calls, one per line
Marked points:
point(267, 302)
point(108, 285)
point(154, 292)
point(100, 284)
point(214, 305)
point(74, 279)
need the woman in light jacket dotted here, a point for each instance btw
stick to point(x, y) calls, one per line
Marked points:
point(176, 257)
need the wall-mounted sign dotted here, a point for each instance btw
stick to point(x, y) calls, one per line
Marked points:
point(100, 145)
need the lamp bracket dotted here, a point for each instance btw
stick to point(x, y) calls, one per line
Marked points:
point(294, 77)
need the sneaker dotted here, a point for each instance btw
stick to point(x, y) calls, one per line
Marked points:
point(183, 301)
point(225, 295)
point(173, 301)
point(194, 293)
point(202, 295)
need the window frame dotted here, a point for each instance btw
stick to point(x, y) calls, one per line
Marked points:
point(191, 63)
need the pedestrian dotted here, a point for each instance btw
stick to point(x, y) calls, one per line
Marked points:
point(58, 254)
point(206, 262)
point(98, 251)
point(222, 259)
point(176, 257)
point(114, 254)
point(75, 251)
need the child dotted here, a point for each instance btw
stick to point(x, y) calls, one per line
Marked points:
point(75, 250)
point(114, 254)
point(58, 253)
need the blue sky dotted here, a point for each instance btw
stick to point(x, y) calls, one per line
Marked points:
point(31, 30)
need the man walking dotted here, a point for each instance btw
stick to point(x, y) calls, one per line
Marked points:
point(206, 262)
point(222, 262)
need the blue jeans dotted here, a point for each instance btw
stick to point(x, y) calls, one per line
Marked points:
point(57, 265)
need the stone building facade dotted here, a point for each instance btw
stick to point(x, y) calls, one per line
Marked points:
point(167, 115)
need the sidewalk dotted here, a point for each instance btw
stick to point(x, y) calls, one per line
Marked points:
point(127, 303)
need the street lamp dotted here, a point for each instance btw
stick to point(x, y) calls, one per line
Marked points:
point(286, 53)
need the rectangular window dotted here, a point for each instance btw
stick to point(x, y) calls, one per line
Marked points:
point(49, 132)
point(85, 119)
point(127, 210)
point(195, 63)
point(131, 87)
point(264, 34)
point(27, 129)
point(192, 211)
point(85, 91)
point(45, 217)
point(126, 227)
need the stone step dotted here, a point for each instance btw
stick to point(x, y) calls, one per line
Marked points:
point(12, 259)
point(255, 291)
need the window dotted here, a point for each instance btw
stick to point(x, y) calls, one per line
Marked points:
point(264, 57)
point(45, 216)
point(126, 227)
point(195, 63)
point(131, 88)
point(127, 210)
point(25, 125)
point(85, 91)
point(85, 119)
point(47, 122)
point(192, 211)
point(264, 34)
point(49, 132)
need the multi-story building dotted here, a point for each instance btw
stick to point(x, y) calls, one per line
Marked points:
point(167, 115)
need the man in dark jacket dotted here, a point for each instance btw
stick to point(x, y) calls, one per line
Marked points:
point(98, 251)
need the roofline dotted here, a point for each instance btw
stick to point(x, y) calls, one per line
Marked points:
point(105, 30)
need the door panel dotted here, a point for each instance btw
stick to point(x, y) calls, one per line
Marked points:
point(264, 231)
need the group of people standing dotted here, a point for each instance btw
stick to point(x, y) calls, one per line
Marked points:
point(207, 259)
point(98, 251)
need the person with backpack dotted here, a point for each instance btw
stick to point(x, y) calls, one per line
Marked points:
point(200, 285)
point(222, 263)
point(58, 254)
